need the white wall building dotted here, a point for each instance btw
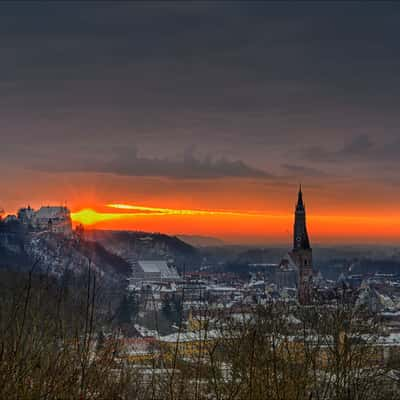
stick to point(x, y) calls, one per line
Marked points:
point(153, 271)
point(49, 218)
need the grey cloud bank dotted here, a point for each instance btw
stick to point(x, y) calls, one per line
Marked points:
point(246, 81)
point(188, 167)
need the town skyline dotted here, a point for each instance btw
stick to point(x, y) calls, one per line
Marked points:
point(134, 217)
point(199, 200)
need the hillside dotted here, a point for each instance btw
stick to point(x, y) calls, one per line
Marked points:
point(202, 241)
point(107, 251)
point(147, 246)
point(56, 254)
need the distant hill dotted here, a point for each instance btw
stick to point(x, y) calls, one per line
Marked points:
point(147, 246)
point(202, 241)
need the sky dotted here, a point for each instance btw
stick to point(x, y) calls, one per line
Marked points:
point(220, 109)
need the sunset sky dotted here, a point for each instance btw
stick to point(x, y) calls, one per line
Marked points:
point(203, 118)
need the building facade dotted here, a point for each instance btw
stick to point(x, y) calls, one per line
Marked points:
point(152, 271)
point(302, 252)
point(55, 219)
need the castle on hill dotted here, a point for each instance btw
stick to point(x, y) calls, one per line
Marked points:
point(55, 219)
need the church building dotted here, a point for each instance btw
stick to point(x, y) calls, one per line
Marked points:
point(302, 252)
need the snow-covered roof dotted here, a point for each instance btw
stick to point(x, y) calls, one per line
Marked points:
point(288, 260)
point(159, 266)
point(291, 319)
point(391, 314)
point(191, 336)
point(221, 288)
point(393, 339)
point(256, 283)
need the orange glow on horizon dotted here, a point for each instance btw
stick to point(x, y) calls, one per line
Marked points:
point(173, 211)
point(228, 224)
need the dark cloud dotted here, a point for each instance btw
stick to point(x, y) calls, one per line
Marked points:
point(356, 148)
point(251, 80)
point(303, 171)
point(187, 167)
point(361, 149)
point(360, 145)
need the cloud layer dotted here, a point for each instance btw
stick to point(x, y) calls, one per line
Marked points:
point(361, 148)
point(189, 166)
point(269, 93)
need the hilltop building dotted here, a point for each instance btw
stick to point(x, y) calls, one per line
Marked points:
point(49, 218)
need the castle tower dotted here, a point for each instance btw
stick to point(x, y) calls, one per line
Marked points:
point(302, 252)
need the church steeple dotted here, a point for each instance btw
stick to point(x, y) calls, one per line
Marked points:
point(302, 252)
point(300, 204)
point(300, 237)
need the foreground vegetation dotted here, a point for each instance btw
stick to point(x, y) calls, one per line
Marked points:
point(53, 346)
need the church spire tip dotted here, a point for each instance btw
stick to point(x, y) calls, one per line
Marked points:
point(300, 197)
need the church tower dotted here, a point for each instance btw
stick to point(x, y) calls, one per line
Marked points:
point(302, 252)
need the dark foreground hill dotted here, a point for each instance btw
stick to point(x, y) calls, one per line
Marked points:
point(57, 255)
point(106, 251)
